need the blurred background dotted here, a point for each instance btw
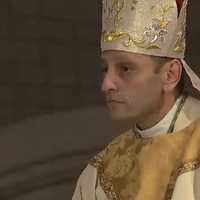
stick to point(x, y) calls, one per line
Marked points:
point(52, 114)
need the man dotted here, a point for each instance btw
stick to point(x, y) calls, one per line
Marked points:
point(143, 44)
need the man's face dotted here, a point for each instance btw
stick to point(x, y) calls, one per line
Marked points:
point(132, 87)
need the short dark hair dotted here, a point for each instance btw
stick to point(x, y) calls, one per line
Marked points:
point(160, 61)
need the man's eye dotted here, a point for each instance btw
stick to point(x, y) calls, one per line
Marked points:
point(104, 70)
point(124, 69)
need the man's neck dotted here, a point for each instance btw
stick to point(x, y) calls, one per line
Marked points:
point(157, 115)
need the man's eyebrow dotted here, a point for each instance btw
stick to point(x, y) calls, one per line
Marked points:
point(128, 63)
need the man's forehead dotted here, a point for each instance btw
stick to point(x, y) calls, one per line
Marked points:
point(122, 55)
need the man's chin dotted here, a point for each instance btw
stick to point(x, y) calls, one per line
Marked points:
point(119, 116)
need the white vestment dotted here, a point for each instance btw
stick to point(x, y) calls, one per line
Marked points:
point(187, 186)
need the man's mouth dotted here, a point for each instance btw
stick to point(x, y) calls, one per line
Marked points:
point(115, 101)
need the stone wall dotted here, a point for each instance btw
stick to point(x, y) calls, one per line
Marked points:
point(48, 56)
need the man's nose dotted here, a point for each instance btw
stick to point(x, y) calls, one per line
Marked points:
point(109, 82)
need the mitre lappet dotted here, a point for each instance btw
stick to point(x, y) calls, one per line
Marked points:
point(151, 27)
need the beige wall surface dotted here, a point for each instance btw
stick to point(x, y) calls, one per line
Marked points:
point(52, 114)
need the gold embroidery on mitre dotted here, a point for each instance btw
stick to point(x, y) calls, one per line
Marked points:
point(180, 43)
point(152, 34)
point(187, 167)
point(181, 34)
point(113, 11)
point(134, 2)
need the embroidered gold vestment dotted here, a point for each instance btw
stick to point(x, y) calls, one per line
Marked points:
point(131, 168)
point(165, 167)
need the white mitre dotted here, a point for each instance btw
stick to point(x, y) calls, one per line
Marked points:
point(151, 27)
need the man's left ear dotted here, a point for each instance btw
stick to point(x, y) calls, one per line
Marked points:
point(172, 74)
